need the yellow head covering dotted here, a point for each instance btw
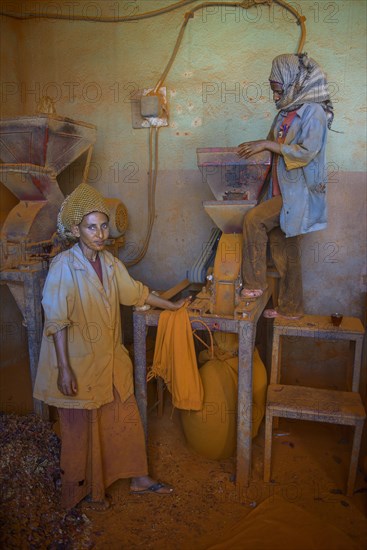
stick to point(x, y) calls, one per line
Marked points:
point(82, 201)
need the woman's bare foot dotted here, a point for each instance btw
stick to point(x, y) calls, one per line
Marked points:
point(251, 293)
point(145, 484)
point(273, 313)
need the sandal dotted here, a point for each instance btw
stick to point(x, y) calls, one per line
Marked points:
point(155, 488)
point(96, 505)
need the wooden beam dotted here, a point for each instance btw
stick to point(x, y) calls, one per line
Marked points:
point(168, 294)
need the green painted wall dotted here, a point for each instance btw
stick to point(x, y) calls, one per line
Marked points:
point(218, 96)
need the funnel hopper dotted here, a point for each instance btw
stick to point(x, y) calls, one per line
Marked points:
point(231, 177)
point(30, 183)
point(228, 215)
point(49, 141)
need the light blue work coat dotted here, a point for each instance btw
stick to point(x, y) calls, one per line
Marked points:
point(302, 171)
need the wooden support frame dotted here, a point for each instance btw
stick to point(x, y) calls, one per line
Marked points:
point(26, 286)
point(246, 329)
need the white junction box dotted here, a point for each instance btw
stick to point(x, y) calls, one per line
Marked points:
point(149, 108)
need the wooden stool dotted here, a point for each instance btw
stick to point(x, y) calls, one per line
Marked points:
point(320, 405)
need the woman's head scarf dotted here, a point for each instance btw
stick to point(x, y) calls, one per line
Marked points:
point(82, 201)
point(303, 81)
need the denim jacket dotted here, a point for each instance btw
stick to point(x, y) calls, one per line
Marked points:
point(301, 170)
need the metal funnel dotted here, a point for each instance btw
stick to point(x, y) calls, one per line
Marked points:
point(50, 141)
point(231, 177)
point(235, 182)
point(228, 215)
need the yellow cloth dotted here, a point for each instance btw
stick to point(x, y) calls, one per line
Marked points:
point(74, 297)
point(175, 360)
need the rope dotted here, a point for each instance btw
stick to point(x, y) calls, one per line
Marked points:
point(211, 346)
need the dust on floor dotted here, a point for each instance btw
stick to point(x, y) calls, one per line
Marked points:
point(309, 469)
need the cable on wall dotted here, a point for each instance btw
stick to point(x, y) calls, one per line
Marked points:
point(189, 15)
point(91, 19)
point(152, 184)
point(153, 133)
point(245, 4)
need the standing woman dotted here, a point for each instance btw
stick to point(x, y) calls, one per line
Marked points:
point(84, 370)
point(296, 200)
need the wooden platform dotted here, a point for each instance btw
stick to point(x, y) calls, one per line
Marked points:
point(316, 404)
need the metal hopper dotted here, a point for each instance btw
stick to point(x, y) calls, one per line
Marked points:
point(50, 141)
point(235, 182)
point(33, 151)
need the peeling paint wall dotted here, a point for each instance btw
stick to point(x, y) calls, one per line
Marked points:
point(218, 95)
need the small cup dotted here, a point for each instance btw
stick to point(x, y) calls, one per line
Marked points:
point(336, 319)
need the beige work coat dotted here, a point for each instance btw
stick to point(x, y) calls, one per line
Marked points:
point(74, 297)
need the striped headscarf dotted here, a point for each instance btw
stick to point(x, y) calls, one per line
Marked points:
point(303, 81)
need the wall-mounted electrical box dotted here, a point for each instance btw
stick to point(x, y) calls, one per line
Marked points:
point(149, 108)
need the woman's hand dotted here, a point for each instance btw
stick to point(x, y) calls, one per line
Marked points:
point(155, 301)
point(66, 381)
point(176, 305)
point(249, 148)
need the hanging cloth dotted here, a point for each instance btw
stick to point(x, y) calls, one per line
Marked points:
point(175, 360)
point(282, 134)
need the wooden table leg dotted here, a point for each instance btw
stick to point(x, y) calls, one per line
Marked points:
point(32, 285)
point(140, 368)
point(247, 332)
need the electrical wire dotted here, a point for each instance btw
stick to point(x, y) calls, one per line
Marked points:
point(153, 166)
point(245, 4)
point(152, 185)
point(99, 19)
point(300, 21)
point(174, 52)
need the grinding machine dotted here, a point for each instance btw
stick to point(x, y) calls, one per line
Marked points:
point(236, 184)
point(34, 150)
